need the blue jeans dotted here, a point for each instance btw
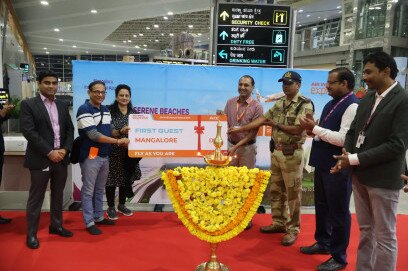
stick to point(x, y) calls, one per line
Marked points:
point(94, 176)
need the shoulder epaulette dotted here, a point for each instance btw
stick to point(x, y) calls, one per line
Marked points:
point(307, 100)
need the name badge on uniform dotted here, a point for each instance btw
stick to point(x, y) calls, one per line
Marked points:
point(360, 139)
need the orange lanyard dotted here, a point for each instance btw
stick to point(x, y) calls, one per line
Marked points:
point(240, 116)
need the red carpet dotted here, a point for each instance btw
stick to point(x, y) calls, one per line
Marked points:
point(159, 242)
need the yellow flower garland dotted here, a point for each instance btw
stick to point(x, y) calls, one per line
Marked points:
point(215, 203)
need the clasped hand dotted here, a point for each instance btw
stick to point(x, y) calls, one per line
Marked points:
point(343, 162)
point(57, 156)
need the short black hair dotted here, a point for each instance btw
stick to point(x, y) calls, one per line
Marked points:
point(382, 61)
point(44, 74)
point(96, 82)
point(250, 77)
point(345, 74)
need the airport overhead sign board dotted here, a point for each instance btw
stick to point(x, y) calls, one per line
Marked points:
point(253, 35)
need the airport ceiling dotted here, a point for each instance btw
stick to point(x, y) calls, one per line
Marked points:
point(131, 26)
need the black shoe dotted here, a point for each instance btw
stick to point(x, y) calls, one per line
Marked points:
point(331, 265)
point(158, 208)
point(94, 230)
point(261, 210)
point(32, 242)
point(4, 220)
point(105, 222)
point(248, 226)
point(60, 231)
point(314, 249)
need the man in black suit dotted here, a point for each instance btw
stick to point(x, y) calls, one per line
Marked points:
point(4, 115)
point(375, 148)
point(47, 126)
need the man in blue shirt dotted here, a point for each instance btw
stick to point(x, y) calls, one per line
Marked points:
point(94, 125)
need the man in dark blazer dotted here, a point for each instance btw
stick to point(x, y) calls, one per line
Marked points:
point(375, 148)
point(4, 115)
point(47, 126)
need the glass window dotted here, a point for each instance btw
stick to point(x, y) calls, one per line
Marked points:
point(371, 19)
point(401, 20)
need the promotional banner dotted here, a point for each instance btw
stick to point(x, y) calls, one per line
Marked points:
point(185, 90)
point(174, 135)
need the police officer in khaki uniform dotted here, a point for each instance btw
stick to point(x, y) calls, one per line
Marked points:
point(287, 156)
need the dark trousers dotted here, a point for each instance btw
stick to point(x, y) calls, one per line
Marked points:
point(110, 195)
point(57, 173)
point(333, 220)
point(1, 165)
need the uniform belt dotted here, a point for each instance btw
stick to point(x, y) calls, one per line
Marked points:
point(250, 142)
point(280, 147)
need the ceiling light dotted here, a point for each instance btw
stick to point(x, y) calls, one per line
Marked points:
point(140, 34)
point(134, 36)
point(199, 41)
point(144, 49)
point(338, 7)
point(129, 41)
point(199, 34)
point(325, 19)
point(340, 11)
point(56, 30)
point(300, 10)
point(74, 46)
point(308, 15)
point(190, 26)
point(318, 17)
point(156, 40)
point(162, 34)
point(137, 46)
point(124, 41)
point(61, 40)
point(87, 52)
point(138, 52)
point(170, 13)
point(47, 53)
point(147, 28)
point(127, 51)
point(156, 26)
point(300, 25)
point(114, 45)
point(45, 48)
point(44, 3)
point(144, 45)
point(171, 34)
point(165, 17)
point(94, 11)
point(314, 28)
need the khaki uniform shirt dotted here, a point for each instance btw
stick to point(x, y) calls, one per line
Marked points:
point(284, 112)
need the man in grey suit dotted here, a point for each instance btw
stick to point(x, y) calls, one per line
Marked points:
point(375, 148)
point(47, 126)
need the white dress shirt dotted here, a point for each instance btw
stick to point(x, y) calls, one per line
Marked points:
point(337, 137)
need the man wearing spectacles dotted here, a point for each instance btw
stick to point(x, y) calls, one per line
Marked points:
point(286, 157)
point(47, 126)
point(94, 126)
point(332, 191)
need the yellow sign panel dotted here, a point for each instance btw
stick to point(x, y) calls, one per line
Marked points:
point(280, 17)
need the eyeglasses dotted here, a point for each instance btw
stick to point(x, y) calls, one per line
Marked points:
point(332, 82)
point(97, 92)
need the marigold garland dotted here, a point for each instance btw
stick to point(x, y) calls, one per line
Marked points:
point(215, 203)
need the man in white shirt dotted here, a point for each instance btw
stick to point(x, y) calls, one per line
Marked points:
point(375, 148)
point(332, 191)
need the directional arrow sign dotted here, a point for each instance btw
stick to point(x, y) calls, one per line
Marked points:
point(223, 54)
point(224, 15)
point(223, 35)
